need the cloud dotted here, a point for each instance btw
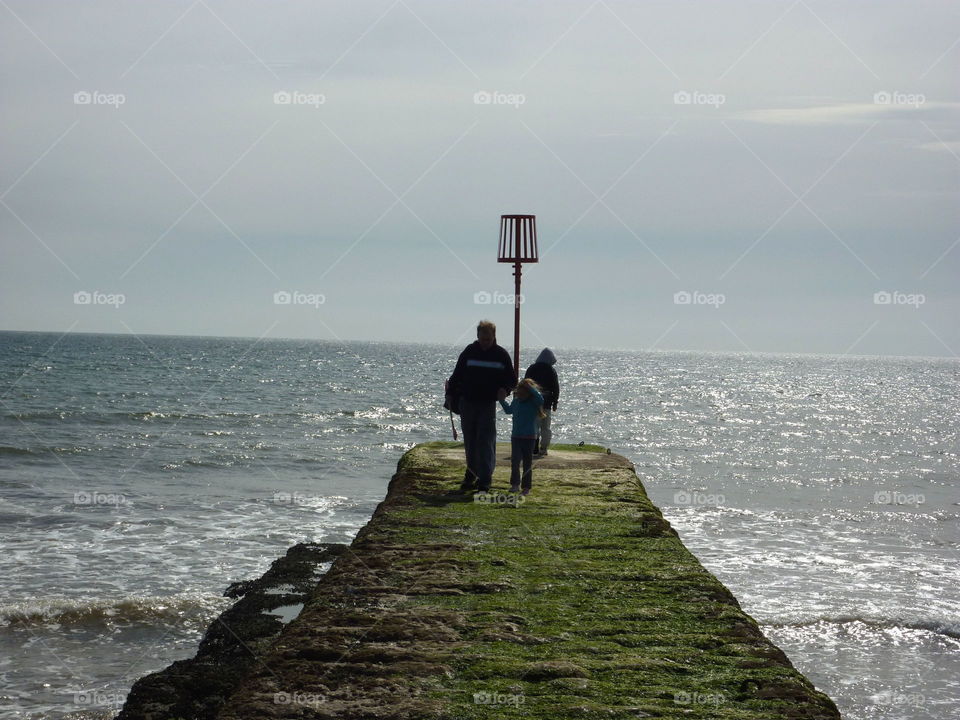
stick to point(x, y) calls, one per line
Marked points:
point(950, 146)
point(886, 106)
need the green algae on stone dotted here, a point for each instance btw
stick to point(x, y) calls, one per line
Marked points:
point(577, 601)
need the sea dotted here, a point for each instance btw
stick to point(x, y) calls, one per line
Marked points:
point(140, 475)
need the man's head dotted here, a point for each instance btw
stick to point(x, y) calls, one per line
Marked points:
point(486, 334)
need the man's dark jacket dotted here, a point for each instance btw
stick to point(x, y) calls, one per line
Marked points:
point(480, 373)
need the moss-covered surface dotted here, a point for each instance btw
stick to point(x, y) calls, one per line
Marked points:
point(577, 601)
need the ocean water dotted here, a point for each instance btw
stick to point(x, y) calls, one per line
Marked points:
point(140, 476)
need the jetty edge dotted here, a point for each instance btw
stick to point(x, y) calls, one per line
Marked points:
point(578, 601)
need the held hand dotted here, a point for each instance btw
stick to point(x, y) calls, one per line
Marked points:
point(501, 395)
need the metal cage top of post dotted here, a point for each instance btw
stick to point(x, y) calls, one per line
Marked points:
point(518, 239)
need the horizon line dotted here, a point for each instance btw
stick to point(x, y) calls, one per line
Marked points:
point(335, 341)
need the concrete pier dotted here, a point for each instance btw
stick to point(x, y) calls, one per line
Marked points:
point(577, 601)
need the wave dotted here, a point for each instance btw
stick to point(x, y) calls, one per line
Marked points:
point(41, 451)
point(105, 417)
point(947, 628)
point(41, 415)
point(182, 607)
point(8, 450)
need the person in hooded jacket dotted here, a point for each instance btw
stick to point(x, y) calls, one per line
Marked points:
point(543, 373)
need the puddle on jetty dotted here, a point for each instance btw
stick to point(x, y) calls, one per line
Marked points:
point(286, 613)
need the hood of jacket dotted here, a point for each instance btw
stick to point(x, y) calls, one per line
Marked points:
point(546, 356)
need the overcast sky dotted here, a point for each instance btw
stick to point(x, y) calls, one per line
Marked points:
point(763, 176)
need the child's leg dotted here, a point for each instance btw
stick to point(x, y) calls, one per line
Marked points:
point(527, 450)
point(515, 457)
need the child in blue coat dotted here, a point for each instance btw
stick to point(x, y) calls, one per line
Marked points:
point(526, 407)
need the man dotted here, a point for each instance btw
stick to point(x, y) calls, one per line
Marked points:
point(543, 374)
point(484, 374)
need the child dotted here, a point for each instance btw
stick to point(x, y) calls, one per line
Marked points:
point(526, 407)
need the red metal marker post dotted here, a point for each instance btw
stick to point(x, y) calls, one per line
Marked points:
point(518, 245)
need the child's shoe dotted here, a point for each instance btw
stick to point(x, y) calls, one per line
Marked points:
point(514, 489)
point(525, 491)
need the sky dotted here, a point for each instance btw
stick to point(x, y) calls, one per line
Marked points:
point(738, 176)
